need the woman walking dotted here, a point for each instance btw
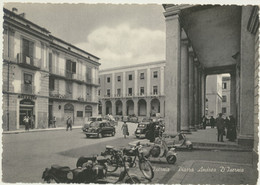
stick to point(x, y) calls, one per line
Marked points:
point(125, 129)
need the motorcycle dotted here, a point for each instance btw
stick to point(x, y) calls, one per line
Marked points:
point(123, 177)
point(89, 172)
point(179, 141)
point(130, 155)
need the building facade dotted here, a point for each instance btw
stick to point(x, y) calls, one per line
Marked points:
point(226, 95)
point(133, 90)
point(213, 95)
point(43, 76)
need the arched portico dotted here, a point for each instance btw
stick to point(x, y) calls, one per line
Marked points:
point(108, 106)
point(129, 107)
point(155, 106)
point(119, 108)
point(142, 107)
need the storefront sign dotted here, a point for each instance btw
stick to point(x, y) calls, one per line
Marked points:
point(26, 102)
point(28, 97)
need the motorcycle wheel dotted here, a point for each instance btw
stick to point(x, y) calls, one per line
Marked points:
point(112, 164)
point(132, 180)
point(171, 159)
point(146, 168)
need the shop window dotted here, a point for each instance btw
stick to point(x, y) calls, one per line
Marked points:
point(79, 113)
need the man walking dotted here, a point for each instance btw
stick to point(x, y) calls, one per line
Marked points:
point(69, 123)
point(220, 123)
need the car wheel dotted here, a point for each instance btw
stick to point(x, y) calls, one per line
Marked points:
point(87, 136)
point(100, 135)
point(113, 133)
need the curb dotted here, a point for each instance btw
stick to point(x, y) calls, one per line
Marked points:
point(38, 130)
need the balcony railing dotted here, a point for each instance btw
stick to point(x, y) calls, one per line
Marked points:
point(27, 88)
point(28, 61)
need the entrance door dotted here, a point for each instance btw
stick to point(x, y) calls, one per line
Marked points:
point(23, 112)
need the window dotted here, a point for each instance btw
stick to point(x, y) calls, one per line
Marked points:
point(141, 90)
point(108, 79)
point(141, 76)
point(27, 79)
point(98, 80)
point(224, 98)
point(155, 74)
point(155, 90)
point(224, 85)
point(52, 84)
point(119, 78)
point(98, 92)
point(108, 92)
point(79, 113)
point(28, 50)
point(70, 68)
point(118, 92)
point(130, 77)
point(69, 88)
point(129, 91)
point(224, 110)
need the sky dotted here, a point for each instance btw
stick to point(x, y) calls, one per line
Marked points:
point(118, 34)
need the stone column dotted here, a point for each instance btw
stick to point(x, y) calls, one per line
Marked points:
point(247, 68)
point(124, 88)
point(191, 90)
point(123, 107)
point(172, 87)
point(233, 94)
point(148, 85)
point(184, 86)
point(203, 93)
point(195, 106)
point(136, 107)
point(162, 81)
point(113, 104)
point(148, 107)
point(162, 107)
point(199, 96)
point(136, 83)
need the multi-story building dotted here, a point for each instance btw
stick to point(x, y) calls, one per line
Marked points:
point(44, 76)
point(213, 95)
point(226, 95)
point(136, 89)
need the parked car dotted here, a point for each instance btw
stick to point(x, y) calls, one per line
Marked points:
point(142, 128)
point(100, 129)
point(90, 120)
point(111, 119)
point(133, 118)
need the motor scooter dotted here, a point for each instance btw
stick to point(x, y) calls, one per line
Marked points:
point(178, 141)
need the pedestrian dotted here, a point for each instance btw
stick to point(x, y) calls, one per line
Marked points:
point(69, 123)
point(233, 127)
point(212, 122)
point(220, 123)
point(26, 122)
point(228, 127)
point(54, 121)
point(32, 122)
point(125, 129)
point(152, 128)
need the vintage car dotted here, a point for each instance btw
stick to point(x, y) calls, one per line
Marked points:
point(111, 119)
point(100, 129)
point(90, 120)
point(142, 129)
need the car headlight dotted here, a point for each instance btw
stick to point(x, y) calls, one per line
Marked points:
point(70, 175)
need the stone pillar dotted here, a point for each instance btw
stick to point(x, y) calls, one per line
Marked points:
point(203, 93)
point(113, 104)
point(136, 107)
point(162, 81)
point(247, 68)
point(191, 90)
point(199, 96)
point(113, 86)
point(148, 107)
point(172, 90)
point(184, 86)
point(195, 106)
point(148, 85)
point(162, 107)
point(136, 83)
point(123, 107)
point(124, 88)
point(233, 94)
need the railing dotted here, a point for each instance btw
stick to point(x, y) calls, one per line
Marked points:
point(27, 88)
point(28, 61)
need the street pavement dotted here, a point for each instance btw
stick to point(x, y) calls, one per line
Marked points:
point(26, 155)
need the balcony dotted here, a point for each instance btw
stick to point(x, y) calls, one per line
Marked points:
point(27, 89)
point(155, 94)
point(28, 62)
